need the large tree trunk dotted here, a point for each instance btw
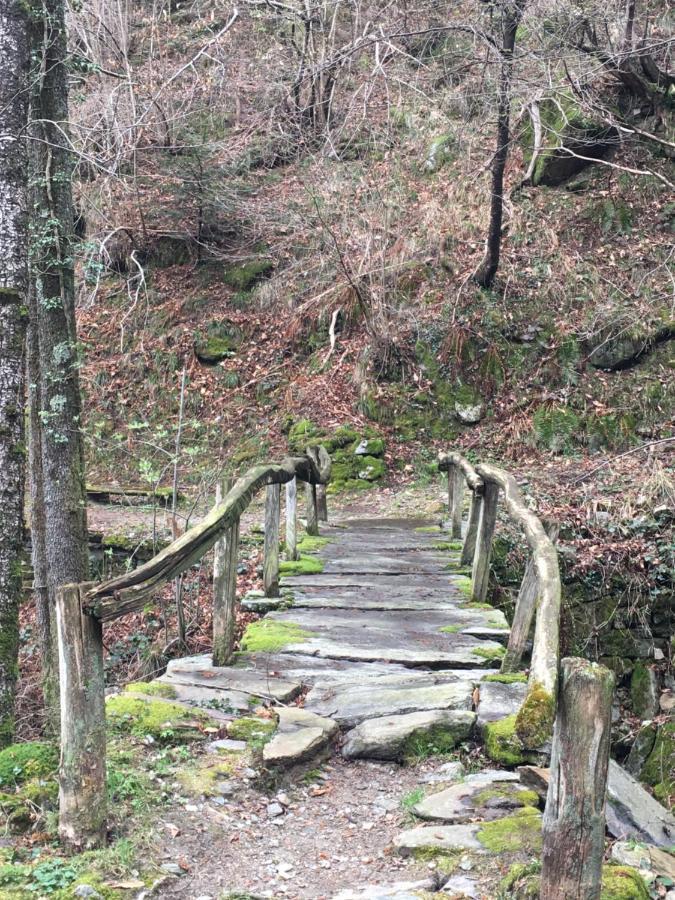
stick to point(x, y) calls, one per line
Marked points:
point(14, 52)
point(511, 14)
point(60, 527)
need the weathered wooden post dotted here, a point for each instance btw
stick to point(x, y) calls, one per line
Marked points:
point(225, 554)
point(469, 545)
point(480, 573)
point(321, 503)
point(291, 519)
point(312, 527)
point(574, 818)
point(82, 773)
point(525, 608)
point(455, 499)
point(271, 557)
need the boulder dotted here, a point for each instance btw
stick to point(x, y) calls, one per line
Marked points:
point(469, 413)
point(450, 838)
point(490, 798)
point(392, 737)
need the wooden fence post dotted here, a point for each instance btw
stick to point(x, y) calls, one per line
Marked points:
point(225, 555)
point(574, 818)
point(271, 557)
point(291, 519)
point(455, 500)
point(321, 503)
point(82, 773)
point(312, 527)
point(469, 545)
point(480, 573)
point(525, 608)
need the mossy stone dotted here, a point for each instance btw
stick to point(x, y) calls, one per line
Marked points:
point(502, 744)
point(508, 678)
point(534, 721)
point(306, 565)
point(622, 883)
point(519, 831)
point(151, 689)
point(268, 635)
point(644, 691)
point(659, 769)
point(220, 341)
point(311, 543)
point(164, 721)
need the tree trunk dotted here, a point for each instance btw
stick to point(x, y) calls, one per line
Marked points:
point(14, 51)
point(271, 551)
point(312, 526)
point(511, 14)
point(321, 503)
point(574, 819)
point(57, 390)
point(82, 774)
point(291, 520)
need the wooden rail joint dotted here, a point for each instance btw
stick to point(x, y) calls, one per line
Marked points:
point(534, 721)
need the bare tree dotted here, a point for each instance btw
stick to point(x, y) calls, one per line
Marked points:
point(14, 48)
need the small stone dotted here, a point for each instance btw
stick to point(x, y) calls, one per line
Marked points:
point(87, 891)
point(172, 869)
point(667, 701)
point(448, 772)
point(285, 870)
point(461, 886)
point(226, 744)
point(284, 799)
point(274, 810)
point(468, 413)
point(466, 864)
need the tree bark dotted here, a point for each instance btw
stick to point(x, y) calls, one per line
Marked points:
point(321, 503)
point(57, 415)
point(574, 818)
point(469, 545)
point(224, 587)
point(480, 574)
point(291, 520)
point(14, 51)
point(455, 500)
point(271, 551)
point(511, 14)
point(312, 526)
point(82, 774)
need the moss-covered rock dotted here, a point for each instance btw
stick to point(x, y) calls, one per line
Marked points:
point(151, 689)
point(306, 565)
point(520, 831)
point(534, 721)
point(220, 341)
point(522, 881)
point(268, 635)
point(244, 276)
point(312, 544)
point(644, 691)
point(659, 770)
point(507, 678)
point(502, 744)
point(164, 721)
point(253, 730)
point(622, 883)
point(23, 762)
point(556, 428)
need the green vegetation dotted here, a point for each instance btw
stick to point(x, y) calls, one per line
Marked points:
point(640, 690)
point(502, 744)
point(622, 883)
point(534, 722)
point(306, 565)
point(507, 791)
point(492, 653)
point(22, 762)
point(429, 529)
point(520, 831)
point(507, 678)
point(151, 689)
point(437, 741)
point(412, 799)
point(312, 544)
point(522, 881)
point(164, 721)
point(268, 635)
point(244, 276)
point(445, 860)
point(447, 545)
point(659, 769)
point(451, 629)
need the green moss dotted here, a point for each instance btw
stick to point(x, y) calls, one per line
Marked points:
point(352, 472)
point(22, 762)
point(304, 433)
point(522, 880)
point(507, 791)
point(520, 831)
point(446, 861)
point(495, 653)
point(268, 635)
point(312, 544)
point(429, 529)
point(201, 780)
point(306, 565)
point(622, 883)
point(213, 349)
point(659, 769)
point(451, 629)
point(447, 545)
point(475, 605)
point(534, 721)
point(464, 586)
point(244, 276)
point(164, 721)
point(640, 690)
point(509, 678)
point(152, 689)
point(556, 428)
point(437, 741)
point(92, 881)
point(502, 744)
point(252, 730)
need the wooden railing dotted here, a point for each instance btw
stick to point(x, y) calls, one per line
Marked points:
point(539, 593)
point(81, 610)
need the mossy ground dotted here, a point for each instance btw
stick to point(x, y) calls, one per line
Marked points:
point(268, 635)
point(445, 860)
point(437, 741)
point(163, 721)
point(312, 543)
point(492, 653)
point(520, 831)
point(450, 629)
point(507, 678)
point(151, 689)
point(22, 762)
point(511, 792)
point(306, 565)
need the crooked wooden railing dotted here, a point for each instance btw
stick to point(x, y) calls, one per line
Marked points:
point(540, 590)
point(81, 610)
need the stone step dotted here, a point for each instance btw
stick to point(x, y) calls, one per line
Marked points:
point(395, 737)
point(200, 671)
point(300, 736)
point(487, 798)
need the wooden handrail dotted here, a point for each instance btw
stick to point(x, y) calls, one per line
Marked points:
point(127, 593)
point(534, 721)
